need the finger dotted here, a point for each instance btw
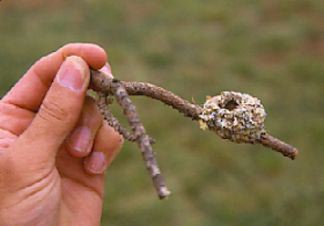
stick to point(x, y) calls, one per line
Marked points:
point(79, 143)
point(59, 111)
point(106, 146)
point(31, 89)
point(107, 70)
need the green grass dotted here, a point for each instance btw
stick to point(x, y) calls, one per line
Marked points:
point(270, 49)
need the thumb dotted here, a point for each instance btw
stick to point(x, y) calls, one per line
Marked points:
point(59, 111)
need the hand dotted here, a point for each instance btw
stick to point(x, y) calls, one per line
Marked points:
point(54, 144)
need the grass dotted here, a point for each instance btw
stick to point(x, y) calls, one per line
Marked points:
point(270, 49)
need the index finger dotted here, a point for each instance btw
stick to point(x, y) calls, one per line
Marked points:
point(30, 90)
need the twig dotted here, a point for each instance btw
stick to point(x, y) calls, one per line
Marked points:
point(158, 93)
point(285, 149)
point(113, 121)
point(100, 82)
point(142, 139)
point(121, 89)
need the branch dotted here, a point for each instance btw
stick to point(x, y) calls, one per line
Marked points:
point(234, 116)
point(100, 82)
point(285, 149)
point(139, 135)
point(112, 120)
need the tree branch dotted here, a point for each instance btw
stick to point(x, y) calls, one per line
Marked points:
point(100, 82)
point(274, 143)
point(111, 119)
point(211, 117)
point(139, 134)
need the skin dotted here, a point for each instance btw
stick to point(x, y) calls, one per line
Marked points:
point(54, 144)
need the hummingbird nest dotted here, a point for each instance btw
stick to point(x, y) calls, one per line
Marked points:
point(238, 117)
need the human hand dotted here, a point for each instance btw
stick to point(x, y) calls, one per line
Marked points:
point(54, 144)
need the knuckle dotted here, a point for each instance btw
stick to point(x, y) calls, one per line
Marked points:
point(50, 111)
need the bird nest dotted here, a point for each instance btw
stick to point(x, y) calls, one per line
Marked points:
point(235, 116)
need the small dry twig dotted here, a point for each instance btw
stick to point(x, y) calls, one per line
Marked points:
point(234, 116)
point(112, 120)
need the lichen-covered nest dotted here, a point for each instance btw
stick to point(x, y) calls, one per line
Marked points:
point(235, 116)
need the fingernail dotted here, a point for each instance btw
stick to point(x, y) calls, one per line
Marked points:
point(72, 73)
point(107, 70)
point(96, 163)
point(80, 139)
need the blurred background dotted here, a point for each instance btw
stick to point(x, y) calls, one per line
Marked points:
point(271, 49)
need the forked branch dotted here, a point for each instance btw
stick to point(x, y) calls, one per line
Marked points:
point(234, 116)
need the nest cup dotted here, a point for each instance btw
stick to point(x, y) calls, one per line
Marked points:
point(236, 116)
